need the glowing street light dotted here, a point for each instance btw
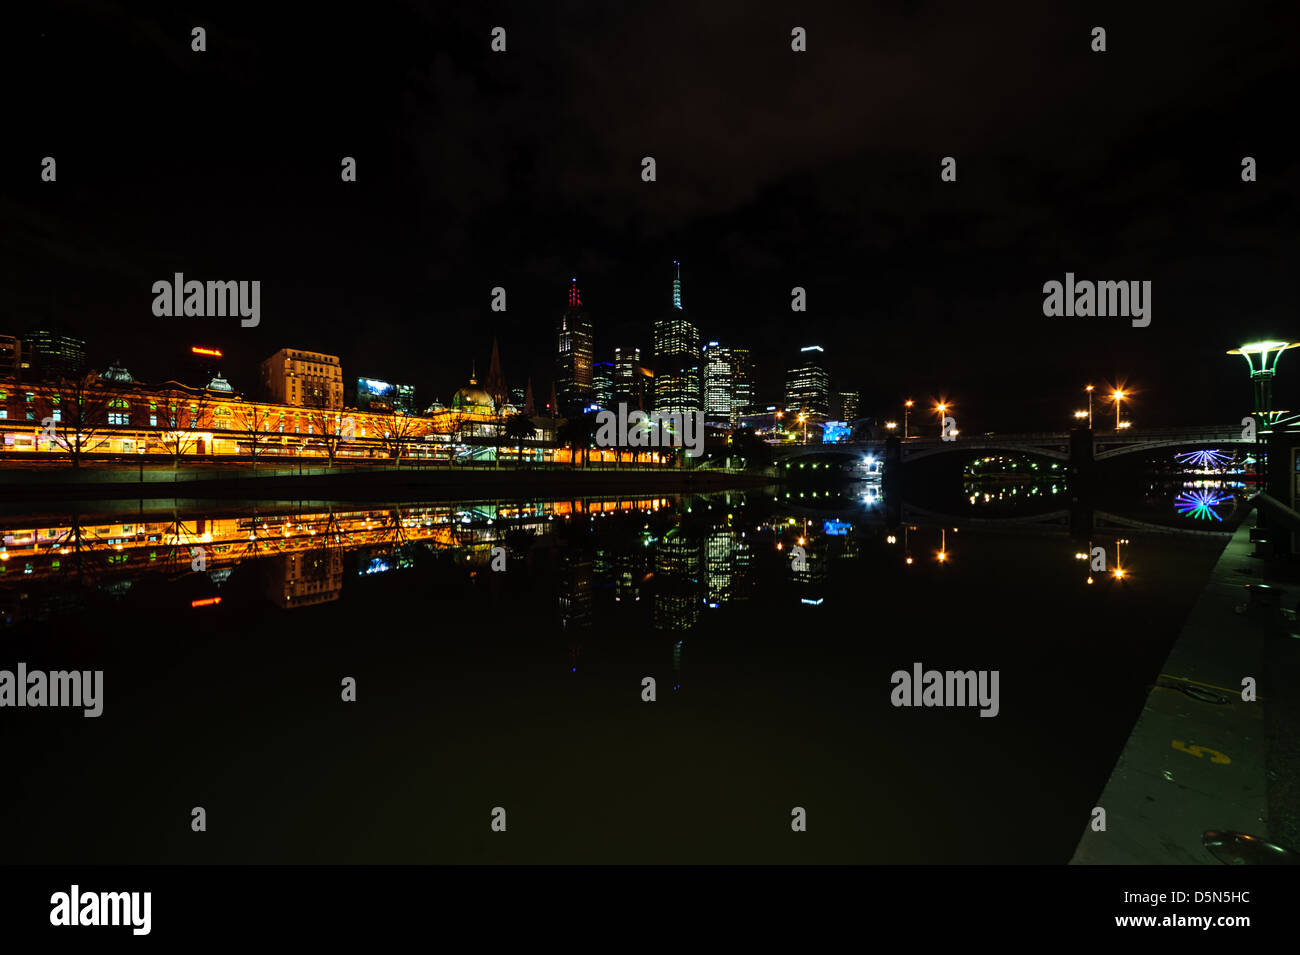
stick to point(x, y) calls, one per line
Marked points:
point(941, 409)
point(1268, 353)
point(907, 409)
point(1117, 396)
point(1088, 389)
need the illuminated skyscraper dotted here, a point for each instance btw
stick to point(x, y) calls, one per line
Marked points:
point(574, 356)
point(602, 382)
point(807, 386)
point(846, 405)
point(677, 356)
point(743, 396)
point(717, 384)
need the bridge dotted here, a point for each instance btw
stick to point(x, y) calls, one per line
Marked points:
point(1058, 446)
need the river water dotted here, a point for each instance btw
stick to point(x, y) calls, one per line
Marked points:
point(521, 688)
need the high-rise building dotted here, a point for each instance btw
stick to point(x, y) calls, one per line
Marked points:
point(633, 381)
point(807, 386)
point(677, 357)
point(13, 358)
point(54, 354)
point(574, 356)
point(602, 383)
point(303, 378)
point(846, 405)
point(626, 361)
point(718, 382)
point(743, 389)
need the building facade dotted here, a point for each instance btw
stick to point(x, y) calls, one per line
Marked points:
point(807, 385)
point(677, 357)
point(574, 356)
point(303, 379)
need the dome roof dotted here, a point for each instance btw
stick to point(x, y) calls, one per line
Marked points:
point(472, 396)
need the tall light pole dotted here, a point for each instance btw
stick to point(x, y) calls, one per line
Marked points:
point(942, 409)
point(1089, 390)
point(907, 407)
point(1261, 375)
point(1118, 396)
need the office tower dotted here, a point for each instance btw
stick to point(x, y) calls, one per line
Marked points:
point(846, 405)
point(574, 357)
point(677, 357)
point(55, 355)
point(602, 383)
point(807, 385)
point(304, 378)
point(743, 389)
point(718, 382)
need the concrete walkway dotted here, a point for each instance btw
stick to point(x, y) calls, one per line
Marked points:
point(1200, 758)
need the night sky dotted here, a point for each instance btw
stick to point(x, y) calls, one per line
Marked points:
point(775, 169)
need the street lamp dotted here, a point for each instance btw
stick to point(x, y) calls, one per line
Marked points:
point(1118, 396)
point(941, 409)
point(907, 408)
point(1089, 390)
point(1262, 374)
point(803, 420)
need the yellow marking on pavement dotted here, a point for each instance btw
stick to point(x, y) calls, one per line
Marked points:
point(1225, 689)
point(1199, 751)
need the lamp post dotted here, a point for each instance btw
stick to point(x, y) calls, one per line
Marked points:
point(1262, 375)
point(907, 408)
point(1089, 390)
point(1119, 397)
point(941, 409)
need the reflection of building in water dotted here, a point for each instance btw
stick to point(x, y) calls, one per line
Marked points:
point(677, 592)
point(575, 591)
point(677, 664)
point(631, 570)
point(719, 547)
point(304, 579)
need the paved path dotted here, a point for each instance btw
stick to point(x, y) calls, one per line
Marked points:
point(1199, 757)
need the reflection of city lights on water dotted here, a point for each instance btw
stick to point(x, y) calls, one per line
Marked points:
point(1200, 504)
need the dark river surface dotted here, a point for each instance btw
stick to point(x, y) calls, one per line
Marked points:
point(522, 688)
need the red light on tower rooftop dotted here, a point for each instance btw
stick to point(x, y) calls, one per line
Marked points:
point(212, 352)
point(575, 296)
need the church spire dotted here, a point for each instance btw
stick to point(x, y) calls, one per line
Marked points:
point(496, 380)
point(677, 284)
point(473, 373)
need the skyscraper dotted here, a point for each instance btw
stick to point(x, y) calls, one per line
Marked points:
point(718, 383)
point(574, 356)
point(807, 386)
point(54, 354)
point(602, 383)
point(743, 397)
point(677, 356)
point(846, 403)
